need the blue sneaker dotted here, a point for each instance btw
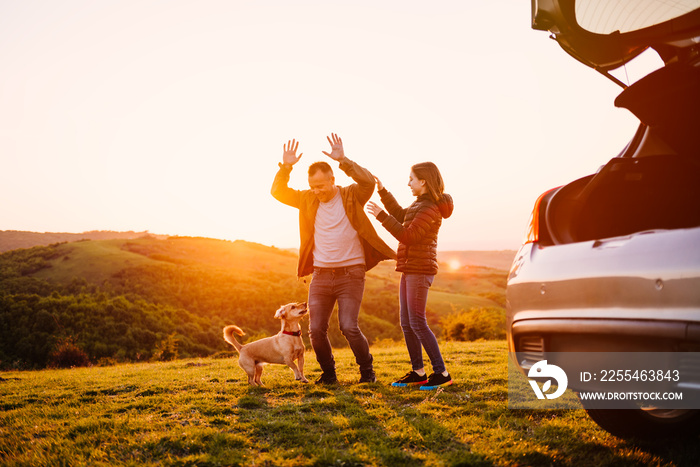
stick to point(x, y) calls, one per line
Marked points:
point(410, 379)
point(436, 380)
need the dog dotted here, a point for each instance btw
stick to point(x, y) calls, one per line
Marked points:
point(283, 348)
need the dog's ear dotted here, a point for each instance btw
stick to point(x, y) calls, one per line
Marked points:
point(281, 312)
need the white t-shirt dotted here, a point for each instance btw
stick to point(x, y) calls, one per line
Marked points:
point(336, 243)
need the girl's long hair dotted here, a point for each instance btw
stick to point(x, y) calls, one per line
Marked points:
point(433, 180)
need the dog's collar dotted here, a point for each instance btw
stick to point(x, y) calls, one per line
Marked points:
point(290, 333)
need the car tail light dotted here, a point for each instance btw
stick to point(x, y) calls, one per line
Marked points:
point(533, 228)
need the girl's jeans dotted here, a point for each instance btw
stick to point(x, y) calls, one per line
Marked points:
point(413, 296)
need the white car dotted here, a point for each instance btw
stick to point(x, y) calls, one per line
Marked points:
point(612, 260)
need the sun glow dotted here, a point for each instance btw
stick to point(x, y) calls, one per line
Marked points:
point(454, 264)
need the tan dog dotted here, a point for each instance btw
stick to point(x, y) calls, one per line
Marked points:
point(283, 348)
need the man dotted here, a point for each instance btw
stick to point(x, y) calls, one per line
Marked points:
point(338, 244)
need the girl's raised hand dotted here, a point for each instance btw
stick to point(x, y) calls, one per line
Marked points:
point(373, 208)
point(380, 186)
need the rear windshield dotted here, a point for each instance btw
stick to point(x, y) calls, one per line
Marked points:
point(607, 16)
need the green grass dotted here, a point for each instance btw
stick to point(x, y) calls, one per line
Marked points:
point(201, 412)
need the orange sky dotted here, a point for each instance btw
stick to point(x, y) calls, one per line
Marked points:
point(170, 116)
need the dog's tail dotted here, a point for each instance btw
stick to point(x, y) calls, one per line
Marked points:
point(229, 331)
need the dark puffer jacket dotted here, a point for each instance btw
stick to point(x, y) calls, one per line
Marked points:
point(416, 228)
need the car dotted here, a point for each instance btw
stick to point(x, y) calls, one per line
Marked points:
point(611, 261)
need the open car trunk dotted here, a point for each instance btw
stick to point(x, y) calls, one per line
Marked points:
point(629, 195)
point(655, 183)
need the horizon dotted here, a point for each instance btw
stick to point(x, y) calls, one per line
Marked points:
point(453, 260)
point(156, 234)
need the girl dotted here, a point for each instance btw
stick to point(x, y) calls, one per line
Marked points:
point(416, 229)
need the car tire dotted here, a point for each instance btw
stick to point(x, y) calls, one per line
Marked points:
point(647, 424)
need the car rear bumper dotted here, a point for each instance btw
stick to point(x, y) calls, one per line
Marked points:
point(627, 294)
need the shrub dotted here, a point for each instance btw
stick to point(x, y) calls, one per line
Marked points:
point(68, 355)
point(477, 323)
point(167, 349)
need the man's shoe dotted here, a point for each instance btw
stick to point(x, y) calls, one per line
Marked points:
point(368, 376)
point(410, 379)
point(436, 380)
point(327, 378)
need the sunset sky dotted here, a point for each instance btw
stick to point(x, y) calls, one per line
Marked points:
point(171, 116)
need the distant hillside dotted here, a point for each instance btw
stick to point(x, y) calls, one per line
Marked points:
point(14, 239)
point(129, 299)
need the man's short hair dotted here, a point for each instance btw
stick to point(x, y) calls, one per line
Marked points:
point(322, 166)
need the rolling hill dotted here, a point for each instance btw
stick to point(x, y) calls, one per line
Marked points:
point(15, 239)
point(127, 299)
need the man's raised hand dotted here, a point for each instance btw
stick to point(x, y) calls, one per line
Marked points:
point(289, 156)
point(337, 152)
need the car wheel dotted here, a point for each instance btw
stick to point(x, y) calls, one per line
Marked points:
point(647, 423)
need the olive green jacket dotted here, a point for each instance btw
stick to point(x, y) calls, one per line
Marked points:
point(354, 198)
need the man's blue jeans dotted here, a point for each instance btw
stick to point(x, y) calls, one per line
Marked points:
point(345, 286)
point(413, 296)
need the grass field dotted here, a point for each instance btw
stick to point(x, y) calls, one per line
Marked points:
point(201, 412)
